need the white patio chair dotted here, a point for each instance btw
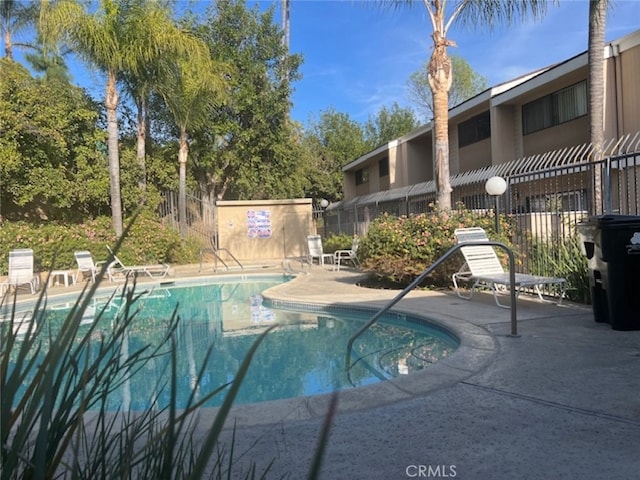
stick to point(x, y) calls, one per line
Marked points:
point(350, 255)
point(482, 268)
point(21, 270)
point(314, 244)
point(86, 265)
point(118, 270)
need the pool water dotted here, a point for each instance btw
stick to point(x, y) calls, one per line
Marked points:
point(303, 355)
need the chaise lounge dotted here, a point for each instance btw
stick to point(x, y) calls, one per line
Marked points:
point(482, 268)
point(118, 270)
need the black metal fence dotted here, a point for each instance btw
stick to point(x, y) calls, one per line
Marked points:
point(546, 194)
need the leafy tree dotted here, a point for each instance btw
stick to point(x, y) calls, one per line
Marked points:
point(440, 70)
point(329, 143)
point(388, 124)
point(50, 64)
point(465, 84)
point(49, 164)
point(247, 149)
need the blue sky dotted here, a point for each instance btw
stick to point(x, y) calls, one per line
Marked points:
point(358, 56)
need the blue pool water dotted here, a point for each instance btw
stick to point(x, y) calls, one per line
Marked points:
point(304, 354)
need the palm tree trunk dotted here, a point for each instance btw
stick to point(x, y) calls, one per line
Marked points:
point(141, 145)
point(183, 153)
point(114, 159)
point(8, 46)
point(440, 78)
point(597, 27)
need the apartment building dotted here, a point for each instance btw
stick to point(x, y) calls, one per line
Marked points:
point(543, 111)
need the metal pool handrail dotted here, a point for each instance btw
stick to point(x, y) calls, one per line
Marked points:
point(432, 267)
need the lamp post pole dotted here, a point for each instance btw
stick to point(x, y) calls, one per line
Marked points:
point(496, 186)
point(324, 203)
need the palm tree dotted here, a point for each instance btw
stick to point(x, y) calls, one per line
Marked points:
point(191, 86)
point(597, 28)
point(109, 39)
point(159, 35)
point(484, 13)
point(15, 16)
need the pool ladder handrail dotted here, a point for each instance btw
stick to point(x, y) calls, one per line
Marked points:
point(431, 268)
point(216, 254)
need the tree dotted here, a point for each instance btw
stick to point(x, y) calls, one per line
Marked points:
point(49, 164)
point(389, 124)
point(597, 28)
point(329, 143)
point(465, 84)
point(50, 65)
point(159, 35)
point(248, 148)
point(192, 86)
point(108, 38)
point(440, 70)
point(14, 17)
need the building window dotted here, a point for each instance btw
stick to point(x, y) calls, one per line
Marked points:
point(362, 176)
point(475, 129)
point(383, 167)
point(559, 107)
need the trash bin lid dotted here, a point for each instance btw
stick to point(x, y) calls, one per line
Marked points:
point(613, 221)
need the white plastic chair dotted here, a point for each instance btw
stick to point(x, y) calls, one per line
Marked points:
point(21, 270)
point(86, 265)
point(314, 244)
point(482, 268)
point(351, 255)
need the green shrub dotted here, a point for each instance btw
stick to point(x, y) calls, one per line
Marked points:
point(337, 242)
point(148, 241)
point(398, 249)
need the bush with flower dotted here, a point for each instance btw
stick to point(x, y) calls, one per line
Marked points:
point(396, 250)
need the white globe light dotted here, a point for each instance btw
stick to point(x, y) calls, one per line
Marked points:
point(324, 203)
point(496, 186)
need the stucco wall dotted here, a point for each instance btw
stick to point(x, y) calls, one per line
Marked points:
point(266, 229)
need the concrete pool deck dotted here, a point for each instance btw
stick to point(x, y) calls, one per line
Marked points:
point(561, 400)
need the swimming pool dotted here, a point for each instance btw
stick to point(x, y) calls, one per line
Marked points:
point(303, 355)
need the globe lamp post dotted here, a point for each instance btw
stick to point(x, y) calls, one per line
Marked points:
point(496, 186)
point(324, 203)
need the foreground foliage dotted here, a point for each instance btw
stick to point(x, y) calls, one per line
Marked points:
point(53, 417)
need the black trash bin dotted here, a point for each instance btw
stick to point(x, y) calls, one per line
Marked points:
point(611, 244)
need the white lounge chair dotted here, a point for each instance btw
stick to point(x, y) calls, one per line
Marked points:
point(351, 255)
point(314, 244)
point(21, 270)
point(118, 270)
point(482, 268)
point(86, 266)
